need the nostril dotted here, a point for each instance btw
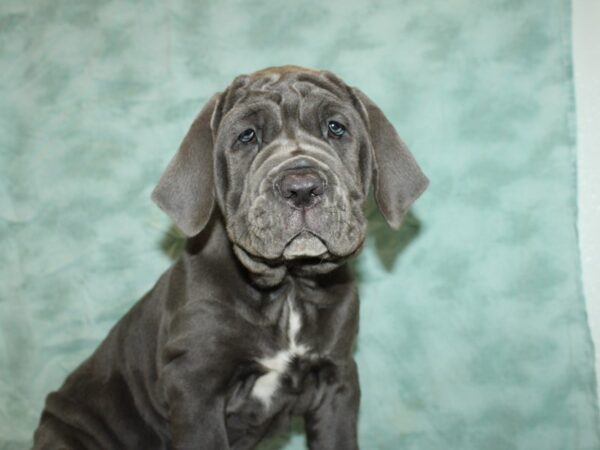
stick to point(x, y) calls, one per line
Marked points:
point(317, 190)
point(289, 193)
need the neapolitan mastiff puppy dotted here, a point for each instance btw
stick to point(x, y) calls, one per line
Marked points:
point(256, 321)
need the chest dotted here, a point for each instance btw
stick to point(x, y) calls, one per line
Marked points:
point(282, 372)
point(286, 368)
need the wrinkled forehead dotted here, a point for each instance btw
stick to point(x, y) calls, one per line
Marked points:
point(285, 89)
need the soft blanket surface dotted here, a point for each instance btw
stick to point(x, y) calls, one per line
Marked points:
point(473, 329)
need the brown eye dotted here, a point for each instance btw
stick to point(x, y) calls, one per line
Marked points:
point(247, 137)
point(336, 129)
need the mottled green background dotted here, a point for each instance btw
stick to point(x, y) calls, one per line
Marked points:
point(473, 332)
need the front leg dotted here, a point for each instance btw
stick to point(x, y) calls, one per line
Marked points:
point(331, 423)
point(196, 408)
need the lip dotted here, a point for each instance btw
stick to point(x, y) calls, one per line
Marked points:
point(304, 245)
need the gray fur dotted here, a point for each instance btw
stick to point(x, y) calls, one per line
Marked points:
point(260, 276)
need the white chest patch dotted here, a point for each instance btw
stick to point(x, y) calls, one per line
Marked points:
point(267, 384)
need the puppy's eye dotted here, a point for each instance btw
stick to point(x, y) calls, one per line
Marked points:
point(336, 129)
point(247, 137)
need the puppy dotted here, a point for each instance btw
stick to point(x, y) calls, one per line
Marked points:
point(255, 323)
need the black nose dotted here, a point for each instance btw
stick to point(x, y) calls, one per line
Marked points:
point(301, 189)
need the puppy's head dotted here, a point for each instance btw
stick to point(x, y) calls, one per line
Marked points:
point(288, 155)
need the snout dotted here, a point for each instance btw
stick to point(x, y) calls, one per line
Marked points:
point(301, 188)
point(300, 204)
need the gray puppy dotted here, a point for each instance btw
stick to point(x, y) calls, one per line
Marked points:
point(255, 322)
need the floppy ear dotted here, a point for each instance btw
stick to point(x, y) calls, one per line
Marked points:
point(185, 190)
point(397, 178)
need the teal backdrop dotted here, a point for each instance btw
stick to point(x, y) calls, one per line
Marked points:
point(473, 327)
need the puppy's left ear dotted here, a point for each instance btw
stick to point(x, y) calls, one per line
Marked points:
point(185, 190)
point(397, 178)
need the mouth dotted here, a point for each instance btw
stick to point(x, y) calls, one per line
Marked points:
point(304, 245)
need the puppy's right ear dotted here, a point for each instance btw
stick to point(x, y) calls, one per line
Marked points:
point(185, 190)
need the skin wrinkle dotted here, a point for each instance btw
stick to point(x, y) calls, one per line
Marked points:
point(255, 211)
point(251, 230)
